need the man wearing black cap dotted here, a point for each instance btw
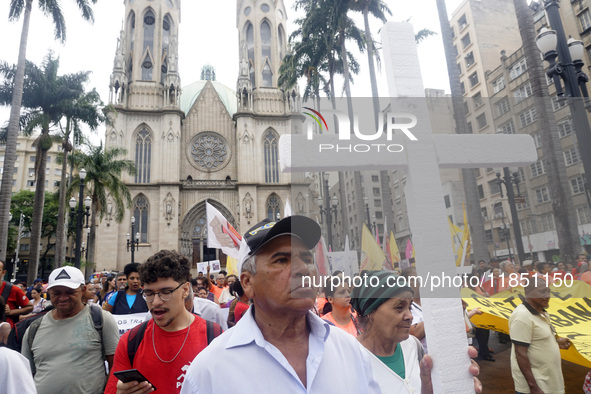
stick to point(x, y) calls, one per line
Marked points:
point(282, 344)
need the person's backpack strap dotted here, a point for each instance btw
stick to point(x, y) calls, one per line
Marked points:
point(6, 291)
point(97, 319)
point(135, 337)
point(213, 330)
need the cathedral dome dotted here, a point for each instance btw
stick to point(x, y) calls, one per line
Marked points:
point(190, 93)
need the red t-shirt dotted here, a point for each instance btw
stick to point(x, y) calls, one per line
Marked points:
point(166, 377)
point(17, 298)
point(239, 310)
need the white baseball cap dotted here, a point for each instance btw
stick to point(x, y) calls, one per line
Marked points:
point(70, 277)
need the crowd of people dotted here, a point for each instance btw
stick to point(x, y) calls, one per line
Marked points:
point(264, 324)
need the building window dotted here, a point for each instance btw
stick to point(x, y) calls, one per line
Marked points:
point(503, 106)
point(376, 191)
point(481, 119)
point(469, 59)
point(549, 80)
point(379, 215)
point(489, 236)
point(571, 156)
point(577, 185)
point(31, 172)
point(148, 61)
point(377, 203)
point(518, 68)
point(32, 159)
point(565, 128)
point(273, 207)
point(538, 168)
point(542, 195)
point(585, 20)
point(528, 116)
point(58, 172)
point(484, 213)
point(524, 205)
point(49, 159)
point(480, 192)
point(375, 178)
point(447, 201)
point(473, 79)
point(456, 50)
point(266, 54)
point(477, 98)
point(271, 158)
point(143, 156)
point(494, 187)
point(583, 215)
point(547, 222)
point(537, 140)
point(499, 84)
point(462, 88)
point(141, 211)
point(24, 247)
point(29, 183)
point(466, 107)
point(459, 69)
point(466, 41)
point(523, 92)
point(462, 22)
point(558, 103)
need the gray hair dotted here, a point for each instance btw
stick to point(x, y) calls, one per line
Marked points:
point(249, 265)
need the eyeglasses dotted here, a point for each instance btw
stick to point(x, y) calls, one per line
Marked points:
point(165, 295)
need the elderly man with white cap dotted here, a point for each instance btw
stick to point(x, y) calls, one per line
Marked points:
point(67, 347)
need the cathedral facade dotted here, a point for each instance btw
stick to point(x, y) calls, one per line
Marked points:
point(199, 142)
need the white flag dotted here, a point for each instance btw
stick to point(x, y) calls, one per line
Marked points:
point(220, 233)
point(287, 209)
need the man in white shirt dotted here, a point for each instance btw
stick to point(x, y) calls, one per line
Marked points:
point(295, 351)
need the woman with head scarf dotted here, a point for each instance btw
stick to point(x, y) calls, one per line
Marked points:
point(383, 312)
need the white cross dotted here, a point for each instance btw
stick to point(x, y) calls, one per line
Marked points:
point(421, 159)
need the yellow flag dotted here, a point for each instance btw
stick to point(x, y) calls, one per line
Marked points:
point(394, 252)
point(373, 253)
point(231, 266)
point(456, 233)
point(467, 233)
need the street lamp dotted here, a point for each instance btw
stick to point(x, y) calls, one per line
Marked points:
point(328, 210)
point(553, 45)
point(133, 243)
point(80, 214)
point(506, 231)
point(509, 179)
point(87, 242)
point(366, 200)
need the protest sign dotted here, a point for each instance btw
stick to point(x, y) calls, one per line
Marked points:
point(127, 322)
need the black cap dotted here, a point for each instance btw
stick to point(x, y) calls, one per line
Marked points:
point(301, 226)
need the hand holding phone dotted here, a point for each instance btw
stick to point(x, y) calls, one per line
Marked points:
point(133, 375)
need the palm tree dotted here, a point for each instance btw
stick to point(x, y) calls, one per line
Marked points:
point(47, 96)
point(468, 174)
point(103, 178)
point(84, 110)
point(18, 8)
point(562, 204)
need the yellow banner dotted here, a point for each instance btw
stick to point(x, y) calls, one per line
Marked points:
point(570, 312)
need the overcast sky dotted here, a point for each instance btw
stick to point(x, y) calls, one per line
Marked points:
point(208, 35)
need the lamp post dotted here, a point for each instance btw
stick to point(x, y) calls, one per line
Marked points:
point(507, 234)
point(133, 243)
point(365, 200)
point(509, 179)
point(328, 209)
point(568, 67)
point(87, 242)
point(80, 214)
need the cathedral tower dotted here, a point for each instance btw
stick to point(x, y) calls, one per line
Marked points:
point(146, 122)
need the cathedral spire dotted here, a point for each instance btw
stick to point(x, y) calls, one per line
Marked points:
point(145, 72)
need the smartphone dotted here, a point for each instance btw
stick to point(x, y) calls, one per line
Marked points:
point(131, 375)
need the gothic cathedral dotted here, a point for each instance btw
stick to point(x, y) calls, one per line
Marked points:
point(200, 142)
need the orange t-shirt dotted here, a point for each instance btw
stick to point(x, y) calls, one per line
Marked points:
point(217, 291)
point(320, 302)
point(350, 328)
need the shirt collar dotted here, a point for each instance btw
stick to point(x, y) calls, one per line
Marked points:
point(247, 331)
point(530, 308)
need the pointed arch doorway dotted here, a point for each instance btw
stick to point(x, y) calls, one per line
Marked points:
point(193, 234)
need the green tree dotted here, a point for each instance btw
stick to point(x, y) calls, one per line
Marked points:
point(47, 96)
point(103, 179)
point(18, 8)
point(84, 110)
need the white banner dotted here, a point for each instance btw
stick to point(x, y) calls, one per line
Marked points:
point(344, 261)
point(127, 322)
point(220, 233)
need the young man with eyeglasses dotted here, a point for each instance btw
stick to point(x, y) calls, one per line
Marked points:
point(171, 339)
